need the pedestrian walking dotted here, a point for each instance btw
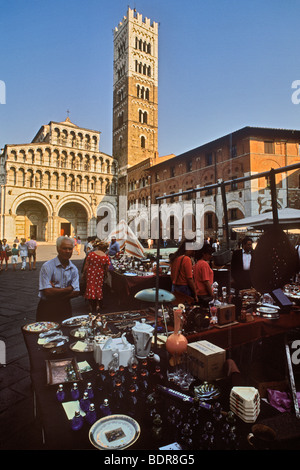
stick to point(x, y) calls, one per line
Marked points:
point(32, 247)
point(78, 245)
point(5, 253)
point(14, 256)
point(23, 250)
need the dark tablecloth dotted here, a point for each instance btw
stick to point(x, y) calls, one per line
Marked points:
point(57, 430)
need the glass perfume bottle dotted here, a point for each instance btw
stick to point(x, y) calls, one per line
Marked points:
point(89, 391)
point(75, 392)
point(85, 402)
point(60, 394)
point(77, 421)
point(105, 408)
point(91, 415)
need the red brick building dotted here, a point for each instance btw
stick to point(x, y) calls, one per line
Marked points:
point(246, 151)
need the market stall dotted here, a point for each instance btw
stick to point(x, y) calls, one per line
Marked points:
point(167, 411)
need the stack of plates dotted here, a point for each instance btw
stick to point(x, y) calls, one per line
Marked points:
point(245, 403)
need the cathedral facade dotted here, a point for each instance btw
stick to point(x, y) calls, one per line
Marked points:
point(56, 185)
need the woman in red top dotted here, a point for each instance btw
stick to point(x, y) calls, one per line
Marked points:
point(203, 274)
point(182, 270)
point(94, 270)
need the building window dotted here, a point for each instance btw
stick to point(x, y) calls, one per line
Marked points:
point(189, 165)
point(143, 142)
point(208, 159)
point(269, 147)
point(172, 171)
point(209, 220)
point(209, 191)
point(234, 185)
point(233, 151)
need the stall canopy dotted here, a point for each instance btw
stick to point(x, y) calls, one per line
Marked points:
point(287, 219)
point(127, 240)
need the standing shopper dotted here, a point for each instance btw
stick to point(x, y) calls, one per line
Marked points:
point(182, 271)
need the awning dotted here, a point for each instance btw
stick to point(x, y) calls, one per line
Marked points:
point(127, 240)
point(287, 218)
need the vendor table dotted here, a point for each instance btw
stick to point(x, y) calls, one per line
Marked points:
point(238, 334)
point(56, 427)
point(126, 286)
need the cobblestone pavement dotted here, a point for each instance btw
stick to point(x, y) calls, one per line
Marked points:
point(19, 298)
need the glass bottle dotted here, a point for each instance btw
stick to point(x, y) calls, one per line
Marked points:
point(75, 392)
point(85, 402)
point(91, 416)
point(60, 394)
point(133, 362)
point(224, 295)
point(132, 401)
point(214, 304)
point(156, 430)
point(89, 391)
point(134, 380)
point(121, 376)
point(77, 421)
point(144, 383)
point(117, 395)
point(102, 379)
point(105, 408)
point(151, 362)
point(157, 377)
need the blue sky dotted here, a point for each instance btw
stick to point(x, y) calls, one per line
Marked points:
point(223, 65)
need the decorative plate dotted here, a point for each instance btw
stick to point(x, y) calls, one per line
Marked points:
point(130, 274)
point(40, 326)
point(114, 432)
point(75, 321)
point(267, 310)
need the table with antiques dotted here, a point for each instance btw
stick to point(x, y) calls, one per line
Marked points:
point(134, 393)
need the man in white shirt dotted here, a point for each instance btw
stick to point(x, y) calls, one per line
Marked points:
point(240, 265)
point(58, 284)
point(31, 247)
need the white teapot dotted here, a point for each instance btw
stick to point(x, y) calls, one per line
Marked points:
point(142, 335)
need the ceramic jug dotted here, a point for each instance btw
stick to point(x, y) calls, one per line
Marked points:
point(142, 335)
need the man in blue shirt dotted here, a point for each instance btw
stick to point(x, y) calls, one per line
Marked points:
point(114, 247)
point(58, 284)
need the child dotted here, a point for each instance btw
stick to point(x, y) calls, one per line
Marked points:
point(14, 256)
point(23, 251)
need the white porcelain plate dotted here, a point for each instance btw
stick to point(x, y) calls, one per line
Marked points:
point(114, 432)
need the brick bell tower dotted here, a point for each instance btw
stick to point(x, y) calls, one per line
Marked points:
point(135, 101)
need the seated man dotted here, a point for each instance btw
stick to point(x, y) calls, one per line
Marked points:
point(58, 284)
point(240, 265)
point(114, 247)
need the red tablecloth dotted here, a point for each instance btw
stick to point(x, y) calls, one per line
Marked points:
point(241, 333)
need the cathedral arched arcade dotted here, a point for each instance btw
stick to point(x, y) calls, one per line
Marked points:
point(47, 218)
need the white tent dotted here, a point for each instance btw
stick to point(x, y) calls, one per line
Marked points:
point(287, 218)
point(128, 240)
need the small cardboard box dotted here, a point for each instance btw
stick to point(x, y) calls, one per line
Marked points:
point(226, 314)
point(206, 360)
